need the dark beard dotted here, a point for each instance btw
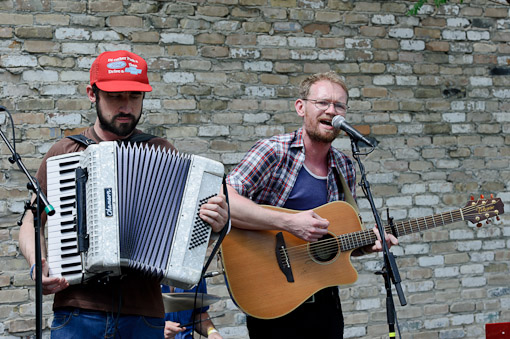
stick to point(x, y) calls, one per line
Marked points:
point(122, 130)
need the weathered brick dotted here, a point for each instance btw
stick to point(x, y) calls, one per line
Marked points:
point(317, 28)
point(283, 3)
point(52, 19)
point(245, 12)
point(281, 67)
point(214, 51)
point(257, 27)
point(164, 22)
point(5, 280)
point(437, 46)
point(375, 92)
point(145, 37)
point(373, 31)
point(56, 62)
point(210, 38)
point(142, 8)
point(13, 295)
point(214, 11)
point(106, 6)
point(33, 105)
point(356, 19)
point(72, 104)
point(493, 12)
point(249, 39)
point(6, 32)
point(372, 67)
point(384, 129)
point(16, 19)
point(125, 21)
point(178, 50)
point(316, 68)
point(45, 32)
point(287, 27)
point(385, 44)
point(41, 46)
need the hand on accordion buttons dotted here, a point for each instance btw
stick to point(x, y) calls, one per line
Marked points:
point(51, 285)
point(215, 212)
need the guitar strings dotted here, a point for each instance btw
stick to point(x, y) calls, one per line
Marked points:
point(333, 245)
point(331, 248)
point(364, 237)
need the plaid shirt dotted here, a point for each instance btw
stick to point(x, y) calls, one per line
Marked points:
point(269, 170)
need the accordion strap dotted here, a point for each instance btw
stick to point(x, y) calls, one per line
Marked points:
point(223, 232)
point(83, 140)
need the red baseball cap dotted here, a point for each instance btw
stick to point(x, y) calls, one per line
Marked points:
point(120, 71)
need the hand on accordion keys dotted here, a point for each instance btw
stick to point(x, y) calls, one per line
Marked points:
point(215, 212)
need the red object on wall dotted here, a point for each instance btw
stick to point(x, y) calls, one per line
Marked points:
point(497, 331)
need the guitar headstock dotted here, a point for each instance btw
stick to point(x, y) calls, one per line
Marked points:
point(476, 211)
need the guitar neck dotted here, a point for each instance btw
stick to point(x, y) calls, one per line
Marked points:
point(355, 240)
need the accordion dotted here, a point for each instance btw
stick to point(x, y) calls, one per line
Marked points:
point(133, 207)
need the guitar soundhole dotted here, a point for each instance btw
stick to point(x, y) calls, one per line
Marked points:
point(324, 250)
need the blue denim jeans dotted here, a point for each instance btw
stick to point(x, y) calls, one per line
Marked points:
point(79, 323)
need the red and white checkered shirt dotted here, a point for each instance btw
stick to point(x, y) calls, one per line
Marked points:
point(269, 170)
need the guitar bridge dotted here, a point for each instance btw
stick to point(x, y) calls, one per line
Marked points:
point(282, 257)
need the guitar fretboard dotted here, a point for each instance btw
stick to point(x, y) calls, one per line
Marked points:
point(367, 237)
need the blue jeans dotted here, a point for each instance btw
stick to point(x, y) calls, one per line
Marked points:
point(79, 323)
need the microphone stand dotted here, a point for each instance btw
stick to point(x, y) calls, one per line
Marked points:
point(36, 207)
point(390, 269)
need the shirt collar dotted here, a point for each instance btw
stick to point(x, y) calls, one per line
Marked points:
point(298, 142)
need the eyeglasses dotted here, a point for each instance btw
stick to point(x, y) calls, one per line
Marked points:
point(323, 105)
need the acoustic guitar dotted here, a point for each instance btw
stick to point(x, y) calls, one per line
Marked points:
point(270, 273)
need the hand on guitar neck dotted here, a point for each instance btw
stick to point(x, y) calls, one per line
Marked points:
point(377, 246)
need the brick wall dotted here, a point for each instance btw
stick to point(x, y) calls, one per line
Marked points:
point(432, 88)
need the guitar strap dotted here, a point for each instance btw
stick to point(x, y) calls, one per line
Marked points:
point(347, 191)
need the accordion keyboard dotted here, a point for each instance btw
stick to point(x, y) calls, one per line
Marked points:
point(63, 257)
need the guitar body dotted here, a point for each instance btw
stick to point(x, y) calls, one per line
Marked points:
point(258, 275)
point(258, 285)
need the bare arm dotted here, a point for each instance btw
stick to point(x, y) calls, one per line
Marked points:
point(203, 325)
point(246, 214)
point(27, 247)
point(206, 325)
point(27, 235)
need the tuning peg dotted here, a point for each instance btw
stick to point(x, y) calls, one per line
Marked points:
point(482, 197)
point(492, 196)
point(472, 198)
point(498, 218)
point(479, 224)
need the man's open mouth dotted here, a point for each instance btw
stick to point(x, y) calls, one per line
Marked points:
point(325, 122)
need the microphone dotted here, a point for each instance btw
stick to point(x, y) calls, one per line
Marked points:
point(340, 123)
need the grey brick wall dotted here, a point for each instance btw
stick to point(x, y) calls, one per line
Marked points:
point(432, 88)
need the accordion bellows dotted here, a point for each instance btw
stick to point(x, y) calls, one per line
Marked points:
point(141, 209)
